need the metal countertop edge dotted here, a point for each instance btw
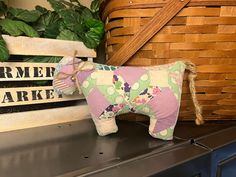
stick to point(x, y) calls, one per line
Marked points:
point(226, 142)
point(148, 155)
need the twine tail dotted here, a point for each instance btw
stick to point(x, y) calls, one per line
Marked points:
point(191, 77)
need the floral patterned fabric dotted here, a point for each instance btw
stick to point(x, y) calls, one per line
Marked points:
point(109, 90)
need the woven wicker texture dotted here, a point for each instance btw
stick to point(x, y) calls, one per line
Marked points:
point(204, 32)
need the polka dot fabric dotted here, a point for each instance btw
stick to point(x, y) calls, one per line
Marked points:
point(109, 90)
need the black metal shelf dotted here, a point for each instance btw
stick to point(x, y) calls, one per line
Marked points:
point(75, 149)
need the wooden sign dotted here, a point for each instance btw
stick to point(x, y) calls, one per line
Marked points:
point(20, 71)
point(32, 95)
point(23, 104)
point(30, 119)
point(46, 47)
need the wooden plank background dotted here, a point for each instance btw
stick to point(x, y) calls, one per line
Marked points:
point(46, 47)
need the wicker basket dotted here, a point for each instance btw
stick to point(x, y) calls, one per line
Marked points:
point(202, 31)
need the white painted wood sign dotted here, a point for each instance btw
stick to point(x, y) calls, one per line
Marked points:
point(21, 71)
point(16, 97)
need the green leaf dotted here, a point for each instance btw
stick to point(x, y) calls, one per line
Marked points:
point(91, 40)
point(24, 15)
point(3, 8)
point(95, 33)
point(95, 26)
point(52, 30)
point(46, 20)
point(4, 53)
point(41, 83)
point(42, 59)
point(95, 5)
point(57, 5)
point(10, 27)
point(72, 20)
point(76, 1)
point(68, 35)
point(96, 15)
point(62, 26)
point(69, 4)
point(82, 22)
point(73, 4)
point(41, 9)
point(17, 28)
point(86, 14)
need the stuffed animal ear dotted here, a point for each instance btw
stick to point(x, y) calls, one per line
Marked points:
point(62, 82)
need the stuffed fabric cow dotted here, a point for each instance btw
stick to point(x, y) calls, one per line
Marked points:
point(112, 90)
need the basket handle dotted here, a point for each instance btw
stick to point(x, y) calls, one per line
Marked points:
point(158, 21)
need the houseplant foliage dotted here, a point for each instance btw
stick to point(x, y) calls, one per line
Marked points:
point(69, 20)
